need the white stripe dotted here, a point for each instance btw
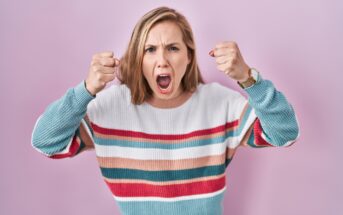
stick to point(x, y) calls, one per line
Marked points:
point(235, 141)
point(161, 199)
point(284, 145)
point(163, 121)
point(34, 128)
point(160, 154)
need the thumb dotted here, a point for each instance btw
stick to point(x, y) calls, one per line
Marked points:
point(116, 62)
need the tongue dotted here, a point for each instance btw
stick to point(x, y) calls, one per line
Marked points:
point(163, 81)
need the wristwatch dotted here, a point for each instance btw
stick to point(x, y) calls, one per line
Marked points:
point(253, 78)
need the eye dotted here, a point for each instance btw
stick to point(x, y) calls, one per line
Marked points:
point(150, 50)
point(173, 48)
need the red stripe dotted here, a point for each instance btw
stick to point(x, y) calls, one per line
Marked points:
point(174, 190)
point(75, 145)
point(127, 133)
point(259, 141)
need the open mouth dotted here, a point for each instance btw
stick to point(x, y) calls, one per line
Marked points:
point(163, 81)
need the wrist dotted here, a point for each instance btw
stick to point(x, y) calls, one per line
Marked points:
point(251, 80)
point(247, 75)
point(89, 90)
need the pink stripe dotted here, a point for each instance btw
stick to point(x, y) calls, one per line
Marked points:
point(75, 145)
point(259, 141)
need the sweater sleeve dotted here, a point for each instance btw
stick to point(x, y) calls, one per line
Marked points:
point(276, 123)
point(63, 130)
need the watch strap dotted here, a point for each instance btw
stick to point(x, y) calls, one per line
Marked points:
point(249, 82)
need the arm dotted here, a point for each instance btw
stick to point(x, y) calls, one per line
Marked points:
point(276, 123)
point(63, 130)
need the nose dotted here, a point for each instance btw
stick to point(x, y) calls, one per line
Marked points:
point(161, 61)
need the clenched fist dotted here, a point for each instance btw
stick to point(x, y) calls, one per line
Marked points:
point(230, 61)
point(101, 71)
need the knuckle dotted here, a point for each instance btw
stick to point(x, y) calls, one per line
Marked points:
point(226, 43)
point(94, 62)
point(233, 43)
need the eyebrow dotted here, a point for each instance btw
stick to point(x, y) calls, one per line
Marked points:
point(170, 44)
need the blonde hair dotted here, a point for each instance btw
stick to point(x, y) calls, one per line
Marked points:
point(131, 63)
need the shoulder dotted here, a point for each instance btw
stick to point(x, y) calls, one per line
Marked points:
point(216, 91)
point(114, 95)
point(115, 90)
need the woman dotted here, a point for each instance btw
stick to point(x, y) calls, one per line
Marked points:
point(163, 138)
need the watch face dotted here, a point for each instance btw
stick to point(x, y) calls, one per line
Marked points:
point(254, 77)
point(254, 74)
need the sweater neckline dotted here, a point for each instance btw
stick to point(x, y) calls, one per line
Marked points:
point(180, 107)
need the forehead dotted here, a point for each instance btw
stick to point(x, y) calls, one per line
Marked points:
point(164, 32)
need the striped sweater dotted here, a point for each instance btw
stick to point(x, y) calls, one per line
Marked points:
point(165, 161)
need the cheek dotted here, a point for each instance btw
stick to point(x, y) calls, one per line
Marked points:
point(146, 67)
point(181, 66)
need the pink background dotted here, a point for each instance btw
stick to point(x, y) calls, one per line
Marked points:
point(46, 47)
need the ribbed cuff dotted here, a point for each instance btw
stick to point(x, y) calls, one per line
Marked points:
point(259, 90)
point(82, 94)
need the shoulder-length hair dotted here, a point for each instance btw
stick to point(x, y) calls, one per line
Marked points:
point(131, 63)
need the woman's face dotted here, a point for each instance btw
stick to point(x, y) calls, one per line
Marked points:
point(165, 60)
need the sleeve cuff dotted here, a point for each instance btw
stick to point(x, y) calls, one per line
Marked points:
point(258, 91)
point(82, 94)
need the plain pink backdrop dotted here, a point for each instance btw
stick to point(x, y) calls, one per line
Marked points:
point(46, 47)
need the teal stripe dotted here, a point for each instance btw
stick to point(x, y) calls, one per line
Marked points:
point(251, 140)
point(212, 205)
point(82, 145)
point(165, 175)
point(243, 122)
point(156, 145)
point(227, 162)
